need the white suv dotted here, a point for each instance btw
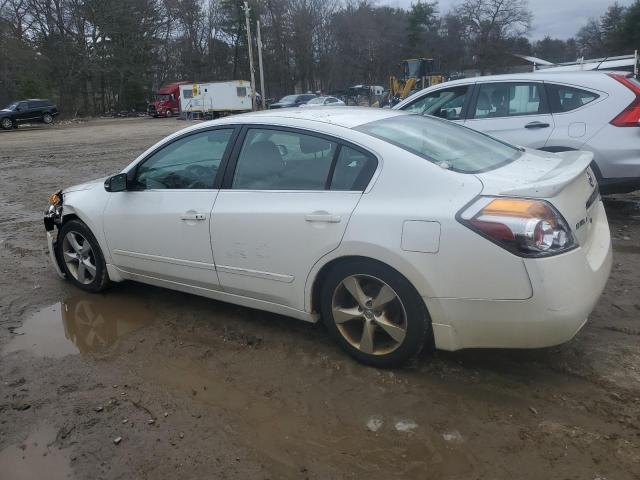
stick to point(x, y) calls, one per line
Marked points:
point(595, 111)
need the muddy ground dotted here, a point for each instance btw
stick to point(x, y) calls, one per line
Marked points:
point(195, 388)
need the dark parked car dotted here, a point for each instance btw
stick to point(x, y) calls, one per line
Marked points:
point(293, 100)
point(27, 111)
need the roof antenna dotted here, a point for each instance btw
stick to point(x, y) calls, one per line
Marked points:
point(603, 60)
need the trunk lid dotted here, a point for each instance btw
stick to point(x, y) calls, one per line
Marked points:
point(563, 179)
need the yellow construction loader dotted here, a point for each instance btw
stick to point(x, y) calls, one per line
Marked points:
point(418, 73)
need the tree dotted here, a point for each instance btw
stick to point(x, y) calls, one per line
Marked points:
point(630, 31)
point(555, 50)
point(423, 21)
point(489, 24)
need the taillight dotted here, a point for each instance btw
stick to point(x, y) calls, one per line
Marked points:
point(630, 116)
point(525, 227)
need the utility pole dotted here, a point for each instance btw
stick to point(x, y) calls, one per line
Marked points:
point(264, 100)
point(253, 79)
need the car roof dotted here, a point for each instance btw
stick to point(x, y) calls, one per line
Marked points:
point(538, 75)
point(348, 117)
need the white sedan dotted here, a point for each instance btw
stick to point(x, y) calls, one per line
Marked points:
point(323, 102)
point(398, 230)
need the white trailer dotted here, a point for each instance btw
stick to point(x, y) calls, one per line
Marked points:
point(215, 98)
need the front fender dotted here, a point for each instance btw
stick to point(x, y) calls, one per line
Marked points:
point(89, 205)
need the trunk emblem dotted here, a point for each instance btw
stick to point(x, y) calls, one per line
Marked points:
point(592, 182)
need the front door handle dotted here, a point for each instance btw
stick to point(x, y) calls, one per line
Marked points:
point(536, 125)
point(322, 217)
point(193, 216)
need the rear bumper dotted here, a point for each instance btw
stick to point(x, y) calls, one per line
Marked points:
point(566, 288)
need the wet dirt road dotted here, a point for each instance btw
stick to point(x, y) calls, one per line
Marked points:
point(193, 388)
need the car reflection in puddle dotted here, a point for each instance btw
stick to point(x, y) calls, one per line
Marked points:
point(80, 324)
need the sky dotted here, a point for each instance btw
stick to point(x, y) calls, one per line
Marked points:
point(556, 18)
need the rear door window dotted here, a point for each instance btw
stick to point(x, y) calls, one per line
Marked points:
point(503, 99)
point(283, 160)
point(565, 99)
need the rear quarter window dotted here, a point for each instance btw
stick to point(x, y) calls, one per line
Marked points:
point(563, 98)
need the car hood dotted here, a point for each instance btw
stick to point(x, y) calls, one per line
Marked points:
point(85, 186)
point(536, 174)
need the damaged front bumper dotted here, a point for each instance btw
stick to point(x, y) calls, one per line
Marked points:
point(52, 221)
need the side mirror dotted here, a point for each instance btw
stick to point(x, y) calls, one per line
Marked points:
point(117, 183)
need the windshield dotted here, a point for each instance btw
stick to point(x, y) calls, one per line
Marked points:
point(11, 106)
point(289, 99)
point(444, 143)
point(315, 101)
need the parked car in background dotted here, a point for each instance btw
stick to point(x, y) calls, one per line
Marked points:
point(398, 230)
point(324, 102)
point(293, 100)
point(27, 111)
point(551, 111)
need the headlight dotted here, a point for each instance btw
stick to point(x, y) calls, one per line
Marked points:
point(525, 227)
point(55, 199)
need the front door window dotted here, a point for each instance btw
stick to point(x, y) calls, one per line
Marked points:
point(191, 162)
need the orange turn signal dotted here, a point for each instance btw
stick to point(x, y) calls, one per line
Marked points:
point(517, 207)
point(54, 199)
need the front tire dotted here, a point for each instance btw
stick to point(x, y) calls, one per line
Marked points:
point(47, 118)
point(81, 256)
point(374, 313)
point(6, 124)
point(169, 113)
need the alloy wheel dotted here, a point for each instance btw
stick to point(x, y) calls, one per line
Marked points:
point(369, 314)
point(79, 257)
point(6, 123)
point(47, 118)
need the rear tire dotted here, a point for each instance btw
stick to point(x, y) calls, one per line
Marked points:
point(81, 257)
point(387, 325)
point(47, 118)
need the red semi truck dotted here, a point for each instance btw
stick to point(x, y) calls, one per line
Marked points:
point(167, 101)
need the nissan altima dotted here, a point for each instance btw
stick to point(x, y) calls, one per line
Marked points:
point(397, 230)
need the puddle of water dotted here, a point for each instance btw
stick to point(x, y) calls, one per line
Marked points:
point(35, 459)
point(83, 323)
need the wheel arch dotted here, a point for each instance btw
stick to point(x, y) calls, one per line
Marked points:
point(322, 268)
point(70, 213)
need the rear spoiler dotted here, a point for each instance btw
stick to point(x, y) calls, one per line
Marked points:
point(553, 182)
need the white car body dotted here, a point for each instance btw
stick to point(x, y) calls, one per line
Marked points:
point(587, 126)
point(267, 249)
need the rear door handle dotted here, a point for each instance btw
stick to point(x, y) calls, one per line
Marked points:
point(536, 125)
point(193, 216)
point(322, 217)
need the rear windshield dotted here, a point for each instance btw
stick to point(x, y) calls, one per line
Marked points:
point(444, 143)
